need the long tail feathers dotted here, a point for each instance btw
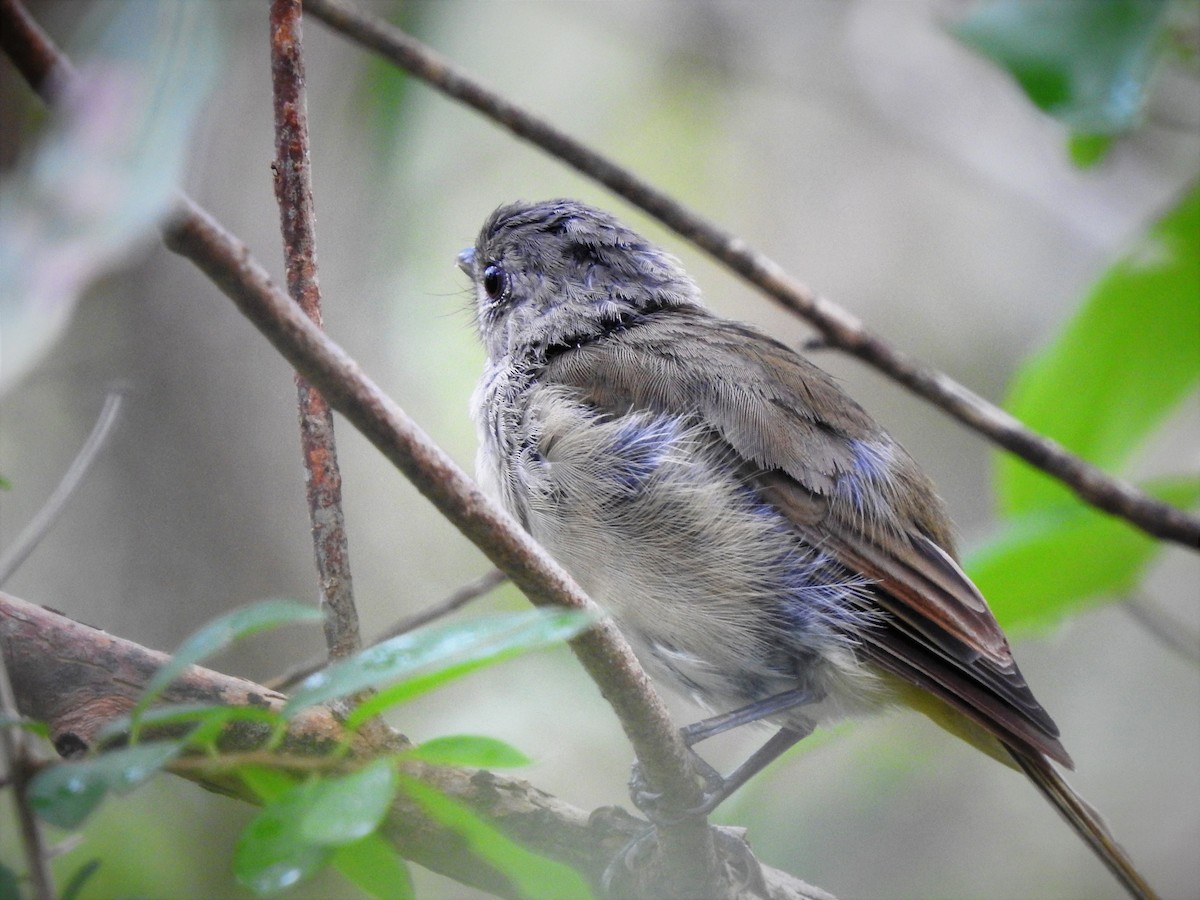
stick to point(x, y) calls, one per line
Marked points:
point(1086, 821)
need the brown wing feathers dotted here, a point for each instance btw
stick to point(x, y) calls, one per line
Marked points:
point(793, 425)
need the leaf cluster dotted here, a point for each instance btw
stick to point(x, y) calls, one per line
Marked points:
point(324, 811)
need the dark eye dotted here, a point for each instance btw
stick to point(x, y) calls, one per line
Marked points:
point(495, 281)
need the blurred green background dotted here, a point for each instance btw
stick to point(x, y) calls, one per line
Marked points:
point(857, 143)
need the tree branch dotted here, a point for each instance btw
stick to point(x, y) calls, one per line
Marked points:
point(76, 679)
point(293, 192)
point(840, 328)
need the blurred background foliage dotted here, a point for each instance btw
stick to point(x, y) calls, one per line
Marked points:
point(886, 153)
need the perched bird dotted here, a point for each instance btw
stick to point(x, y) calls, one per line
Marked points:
point(761, 542)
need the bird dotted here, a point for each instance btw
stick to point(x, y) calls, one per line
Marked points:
point(762, 543)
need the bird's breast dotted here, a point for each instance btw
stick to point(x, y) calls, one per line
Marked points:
point(660, 523)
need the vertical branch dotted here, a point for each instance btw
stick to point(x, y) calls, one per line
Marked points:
point(14, 744)
point(293, 192)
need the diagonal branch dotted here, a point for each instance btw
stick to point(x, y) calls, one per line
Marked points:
point(293, 192)
point(840, 328)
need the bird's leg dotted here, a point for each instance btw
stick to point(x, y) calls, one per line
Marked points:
point(717, 787)
point(780, 742)
point(751, 712)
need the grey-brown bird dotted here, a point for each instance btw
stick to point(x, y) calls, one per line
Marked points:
point(762, 543)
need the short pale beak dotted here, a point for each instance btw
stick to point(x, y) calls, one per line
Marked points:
point(466, 261)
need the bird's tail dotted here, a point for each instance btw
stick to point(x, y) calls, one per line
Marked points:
point(1085, 820)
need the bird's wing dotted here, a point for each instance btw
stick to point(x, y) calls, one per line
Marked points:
point(813, 453)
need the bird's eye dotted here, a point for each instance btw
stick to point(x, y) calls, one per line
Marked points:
point(495, 281)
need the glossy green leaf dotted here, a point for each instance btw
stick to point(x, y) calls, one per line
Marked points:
point(272, 852)
point(66, 793)
point(469, 750)
point(1046, 564)
point(1120, 366)
point(372, 865)
point(344, 808)
point(532, 876)
point(220, 633)
point(1089, 63)
point(306, 825)
point(485, 637)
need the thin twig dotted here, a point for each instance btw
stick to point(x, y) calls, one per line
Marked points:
point(28, 539)
point(461, 597)
point(458, 599)
point(840, 328)
point(293, 192)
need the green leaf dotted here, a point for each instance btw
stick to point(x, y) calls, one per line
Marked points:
point(342, 809)
point(272, 853)
point(1022, 572)
point(1086, 62)
point(65, 794)
point(79, 878)
point(1120, 367)
point(531, 875)
point(305, 825)
point(374, 867)
point(482, 638)
point(469, 750)
point(219, 634)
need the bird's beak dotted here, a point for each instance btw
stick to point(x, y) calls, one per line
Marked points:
point(466, 261)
